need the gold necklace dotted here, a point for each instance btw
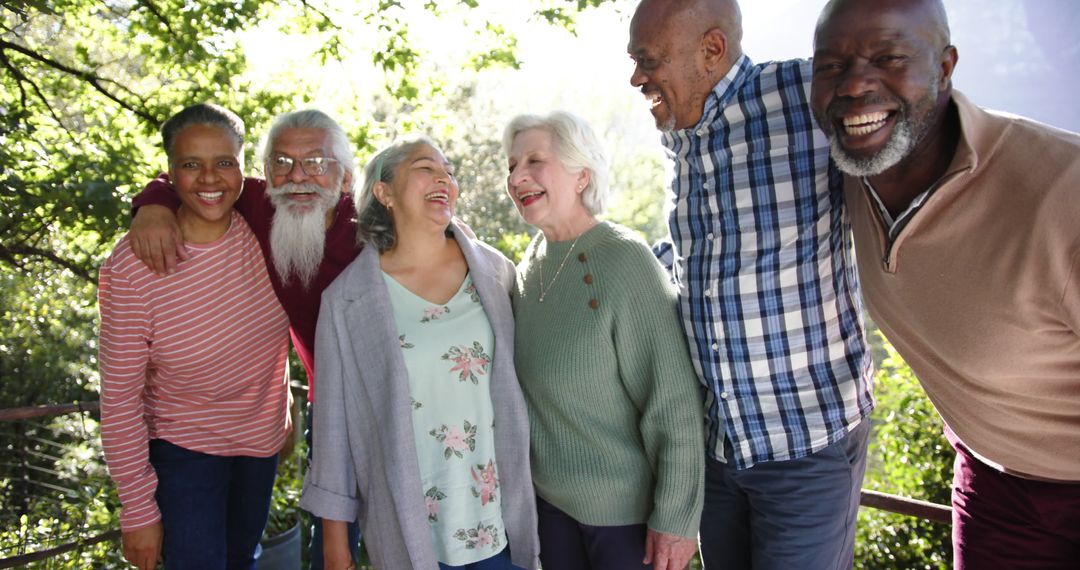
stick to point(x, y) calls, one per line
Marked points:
point(544, 290)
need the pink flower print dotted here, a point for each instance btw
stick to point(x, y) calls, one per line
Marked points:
point(486, 482)
point(473, 295)
point(433, 313)
point(456, 441)
point(431, 501)
point(483, 536)
point(469, 362)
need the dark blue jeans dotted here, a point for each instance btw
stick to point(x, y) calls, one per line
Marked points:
point(566, 544)
point(213, 508)
point(315, 548)
point(778, 515)
point(500, 561)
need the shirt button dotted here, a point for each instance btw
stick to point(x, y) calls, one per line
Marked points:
point(709, 236)
point(594, 304)
point(715, 346)
point(708, 185)
point(701, 132)
point(582, 257)
point(588, 278)
point(724, 395)
point(708, 293)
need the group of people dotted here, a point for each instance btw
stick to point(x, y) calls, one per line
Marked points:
point(588, 409)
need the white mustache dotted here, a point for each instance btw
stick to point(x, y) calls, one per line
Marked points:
point(293, 188)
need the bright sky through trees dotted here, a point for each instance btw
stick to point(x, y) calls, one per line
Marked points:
point(1006, 60)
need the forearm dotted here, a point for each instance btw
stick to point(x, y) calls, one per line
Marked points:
point(336, 552)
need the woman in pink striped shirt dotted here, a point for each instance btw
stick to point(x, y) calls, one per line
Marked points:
point(194, 391)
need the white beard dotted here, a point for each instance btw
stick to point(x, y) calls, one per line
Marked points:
point(298, 235)
point(900, 144)
point(912, 124)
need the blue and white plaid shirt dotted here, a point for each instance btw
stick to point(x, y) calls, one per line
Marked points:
point(764, 266)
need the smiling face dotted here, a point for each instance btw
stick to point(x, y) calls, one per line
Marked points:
point(670, 64)
point(206, 166)
point(423, 190)
point(881, 80)
point(296, 190)
point(546, 194)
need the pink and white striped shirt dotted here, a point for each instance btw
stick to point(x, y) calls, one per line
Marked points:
point(197, 358)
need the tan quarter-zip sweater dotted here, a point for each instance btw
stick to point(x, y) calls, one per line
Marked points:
point(980, 292)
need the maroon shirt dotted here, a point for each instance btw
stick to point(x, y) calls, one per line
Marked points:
point(302, 305)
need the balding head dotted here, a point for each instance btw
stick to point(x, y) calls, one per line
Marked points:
point(682, 49)
point(694, 18)
point(934, 20)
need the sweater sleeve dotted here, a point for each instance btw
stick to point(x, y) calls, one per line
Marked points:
point(124, 354)
point(158, 192)
point(655, 367)
point(330, 487)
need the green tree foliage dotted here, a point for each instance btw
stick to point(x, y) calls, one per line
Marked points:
point(908, 456)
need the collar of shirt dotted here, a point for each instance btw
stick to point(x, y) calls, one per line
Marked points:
point(894, 225)
point(722, 93)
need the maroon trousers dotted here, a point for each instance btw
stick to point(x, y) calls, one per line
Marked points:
point(1008, 522)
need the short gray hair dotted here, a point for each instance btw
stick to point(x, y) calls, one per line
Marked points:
point(374, 224)
point(576, 146)
point(202, 114)
point(340, 147)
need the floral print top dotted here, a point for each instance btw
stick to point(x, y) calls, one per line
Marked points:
point(448, 351)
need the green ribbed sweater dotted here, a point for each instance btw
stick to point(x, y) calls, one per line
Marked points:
point(614, 403)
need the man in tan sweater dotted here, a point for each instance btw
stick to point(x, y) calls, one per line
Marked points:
point(967, 232)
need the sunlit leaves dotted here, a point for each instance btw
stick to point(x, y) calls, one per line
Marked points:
point(908, 456)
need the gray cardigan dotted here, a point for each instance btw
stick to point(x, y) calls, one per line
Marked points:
point(364, 465)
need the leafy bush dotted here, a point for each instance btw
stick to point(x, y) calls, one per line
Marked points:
point(908, 456)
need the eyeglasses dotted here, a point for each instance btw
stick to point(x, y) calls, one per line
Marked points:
point(281, 165)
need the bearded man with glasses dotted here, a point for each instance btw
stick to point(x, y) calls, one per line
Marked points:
point(302, 215)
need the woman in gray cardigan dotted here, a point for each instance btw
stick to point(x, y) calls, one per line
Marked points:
point(421, 429)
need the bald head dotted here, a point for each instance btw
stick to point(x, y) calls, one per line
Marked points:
point(681, 50)
point(933, 20)
point(694, 18)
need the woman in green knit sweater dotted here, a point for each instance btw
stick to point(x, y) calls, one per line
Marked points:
point(614, 405)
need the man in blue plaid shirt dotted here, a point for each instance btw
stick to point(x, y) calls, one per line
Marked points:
point(768, 294)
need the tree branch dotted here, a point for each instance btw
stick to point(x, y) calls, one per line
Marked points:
point(10, 254)
point(157, 13)
point(20, 78)
point(323, 15)
point(94, 80)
